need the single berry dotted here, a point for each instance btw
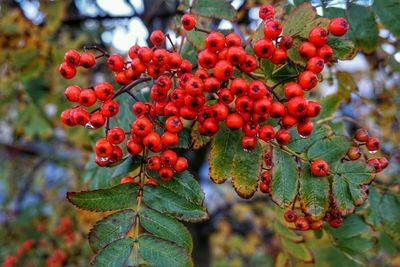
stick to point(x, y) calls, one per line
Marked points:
point(319, 168)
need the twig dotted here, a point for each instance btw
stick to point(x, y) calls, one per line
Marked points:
point(202, 30)
point(170, 41)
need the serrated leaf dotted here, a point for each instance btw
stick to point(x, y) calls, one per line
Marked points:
point(118, 197)
point(355, 172)
point(297, 250)
point(177, 206)
point(158, 252)
point(353, 225)
point(343, 199)
point(364, 30)
point(300, 16)
point(287, 233)
point(390, 214)
point(373, 214)
point(357, 194)
point(214, 8)
point(389, 13)
point(329, 105)
point(259, 33)
point(282, 260)
point(115, 254)
point(110, 229)
point(166, 228)
point(197, 39)
point(342, 48)
point(222, 153)
point(355, 245)
point(294, 55)
point(301, 145)
point(314, 193)
point(284, 181)
point(184, 137)
point(246, 167)
point(330, 149)
point(198, 140)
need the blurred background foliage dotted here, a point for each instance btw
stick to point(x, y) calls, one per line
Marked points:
point(41, 160)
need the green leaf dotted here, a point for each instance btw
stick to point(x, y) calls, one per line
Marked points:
point(284, 179)
point(198, 140)
point(301, 145)
point(118, 197)
point(184, 137)
point(390, 214)
point(364, 30)
point(330, 149)
point(314, 193)
point(294, 55)
point(353, 225)
point(342, 48)
point(158, 252)
point(115, 254)
point(389, 13)
point(287, 233)
point(373, 213)
point(355, 245)
point(214, 8)
point(165, 200)
point(329, 105)
point(297, 250)
point(282, 260)
point(355, 172)
point(166, 227)
point(197, 39)
point(346, 84)
point(357, 194)
point(110, 229)
point(246, 167)
point(343, 199)
point(259, 33)
point(125, 116)
point(300, 16)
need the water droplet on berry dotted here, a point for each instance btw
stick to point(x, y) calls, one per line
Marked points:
point(372, 151)
point(104, 159)
point(89, 126)
point(304, 136)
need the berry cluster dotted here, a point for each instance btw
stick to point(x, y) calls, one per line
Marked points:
point(180, 92)
point(52, 254)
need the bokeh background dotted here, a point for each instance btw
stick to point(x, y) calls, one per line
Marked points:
point(40, 160)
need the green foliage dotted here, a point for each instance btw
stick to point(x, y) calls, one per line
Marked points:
point(214, 8)
point(114, 254)
point(389, 13)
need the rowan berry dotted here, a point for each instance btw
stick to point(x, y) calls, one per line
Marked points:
point(338, 26)
point(290, 216)
point(157, 38)
point(318, 36)
point(115, 63)
point(188, 21)
point(87, 60)
point(272, 29)
point(72, 93)
point(319, 168)
point(72, 57)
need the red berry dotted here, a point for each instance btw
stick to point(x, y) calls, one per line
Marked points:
point(173, 124)
point(181, 164)
point(67, 71)
point(233, 39)
point(116, 135)
point(250, 128)
point(142, 126)
point(133, 147)
point(127, 179)
point(116, 154)
point(72, 93)
point(109, 108)
point(236, 55)
point(157, 38)
point(265, 187)
point(97, 119)
point(80, 116)
point(115, 63)
point(210, 126)
point(145, 54)
point(67, 118)
point(133, 51)
point(154, 163)
point(215, 41)
point(336, 223)
point(272, 29)
point(264, 48)
point(277, 110)
point(220, 111)
point(338, 26)
point(169, 139)
point(266, 12)
point(249, 65)
point(257, 90)
point(297, 106)
point(207, 59)
point(315, 64)
point(87, 98)
point(292, 90)
point(72, 57)
point(174, 60)
point(302, 224)
point(361, 135)
point(286, 42)
point(225, 96)
point(313, 109)
point(372, 144)
point(290, 216)
point(325, 52)
point(244, 104)
point(168, 157)
point(354, 153)
point(318, 36)
point(279, 56)
point(266, 133)
point(223, 70)
point(104, 91)
point(166, 173)
point(319, 167)
point(152, 140)
point(188, 21)
point(261, 106)
point(239, 86)
point(307, 50)
point(234, 121)
point(103, 148)
point(282, 137)
point(194, 86)
point(308, 80)
point(139, 108)
point(305, 128)
point(87, 60)
point(249, 143)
